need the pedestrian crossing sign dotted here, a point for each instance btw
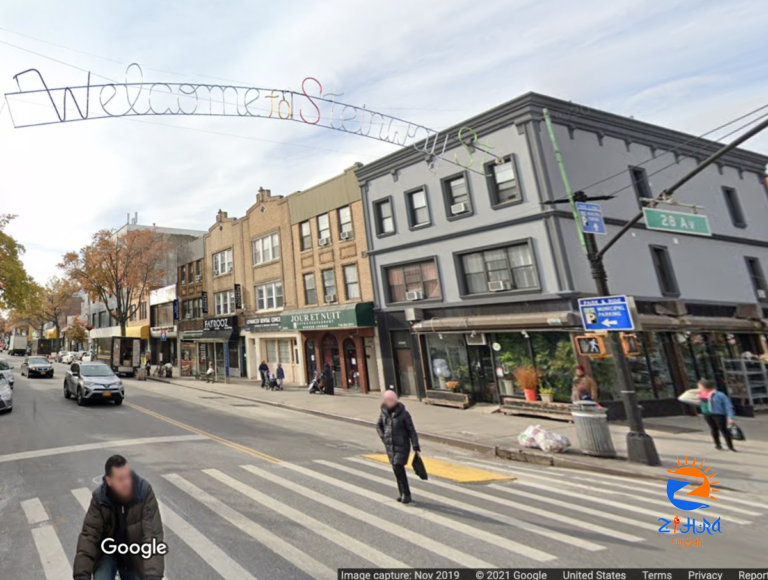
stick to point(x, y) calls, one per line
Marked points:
point(591, 345)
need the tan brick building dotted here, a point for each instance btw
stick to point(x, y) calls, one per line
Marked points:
point(335, 295)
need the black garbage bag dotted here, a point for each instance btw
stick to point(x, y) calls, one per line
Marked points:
point(736, 433)
point(418, 466)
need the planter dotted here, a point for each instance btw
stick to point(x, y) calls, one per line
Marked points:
point(530, 394)
point(448, 399)
point(547, 397)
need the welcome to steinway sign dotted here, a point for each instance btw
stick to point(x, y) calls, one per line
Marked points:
point(36, 104)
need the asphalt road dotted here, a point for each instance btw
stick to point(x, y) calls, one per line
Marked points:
point(252, 491)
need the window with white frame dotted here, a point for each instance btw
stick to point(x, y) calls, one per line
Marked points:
point(329, 282)
point(506, 268)
point(222, 262)
point(323, 227)
point(385, 221)
point(266, 249)
point(418, 210)
point(351, 282)
point(503, 182)
point(280, 350)
point(345, 221)
point(305, 233)
point(310, 290)
point(269, 296)
point(224, 302)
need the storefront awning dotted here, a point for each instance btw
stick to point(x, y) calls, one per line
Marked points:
point(138, 331)
point(500, 322)
point(703, 323)
point(341, 316)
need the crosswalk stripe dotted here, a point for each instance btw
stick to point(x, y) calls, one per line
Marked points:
point(52, 557)
point(517, 523)
point(509, 545)
point(387, 526)
point(34, 510)
point(275, 543)
point(491, 515)
point(341, 539)
point(607, 502)
point(550, 501)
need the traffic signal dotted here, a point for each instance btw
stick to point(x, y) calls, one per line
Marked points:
point(591, 345)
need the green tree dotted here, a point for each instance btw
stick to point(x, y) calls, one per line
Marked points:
point(15, 283)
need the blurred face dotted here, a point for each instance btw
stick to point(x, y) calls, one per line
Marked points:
point(121, 483)
point(390, 399)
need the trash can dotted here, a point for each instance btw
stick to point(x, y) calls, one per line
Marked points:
point(592, 431)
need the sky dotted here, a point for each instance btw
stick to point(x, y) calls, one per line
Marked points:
point(688, 65)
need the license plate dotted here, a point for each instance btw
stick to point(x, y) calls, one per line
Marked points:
point(43, 372)
point(107, 394)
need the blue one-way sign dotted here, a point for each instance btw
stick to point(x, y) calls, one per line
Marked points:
point(606, 313)
point(591, 216)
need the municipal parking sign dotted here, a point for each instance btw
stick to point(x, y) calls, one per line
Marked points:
point(591, 216)
point(606, 313)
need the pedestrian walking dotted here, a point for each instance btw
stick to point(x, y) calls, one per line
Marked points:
point(210, 374)
point(280, 376)
point(264, 370)
point(123, 512)
point(328, 382)
point(718, 412)
point(584, 386)
point(395, 427)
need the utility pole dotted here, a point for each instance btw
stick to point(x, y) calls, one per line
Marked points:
point(640, 445)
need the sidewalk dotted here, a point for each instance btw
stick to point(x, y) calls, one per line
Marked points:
point(481, 428)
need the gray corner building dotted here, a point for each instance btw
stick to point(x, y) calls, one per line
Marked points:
point(475, 276)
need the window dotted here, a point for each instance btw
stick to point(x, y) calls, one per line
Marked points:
point(266, 249)
point(132, 317)
point(190, 273)
point(758, 279)
point(345, 222)
point(224, 302)
point(664, 271)
point(199, 269)
point(503, 183)
point(306, 235)
point(310, 291)
point(418, 277)
point(498, 269)
point(456, 193)
point(640, 183)
point(323, 227)
point(734, 207)
point(418, 210)
point(142, 310)
point(385, 222)
point(222, 263)
point(183, 275)
point(269, 296)
point(279, 350)
point(351, 282)
point(329, 282)
point(192, 308)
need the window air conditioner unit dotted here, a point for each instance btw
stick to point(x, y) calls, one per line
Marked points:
point(458, 208)
point(414, 295)
point(188, 315)
point(199, 278)
point(762, 294)
point(499, 286)
point(475, 339)
point(324, 242)
point(346, 235)
point(330, 298)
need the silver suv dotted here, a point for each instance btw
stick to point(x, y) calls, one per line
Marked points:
point(93, 382)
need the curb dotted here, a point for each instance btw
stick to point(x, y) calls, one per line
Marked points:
point(521, 455)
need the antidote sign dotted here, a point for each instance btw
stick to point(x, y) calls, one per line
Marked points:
point(675, 221)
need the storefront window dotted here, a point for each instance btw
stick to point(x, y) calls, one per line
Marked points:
point(448, 361)
point(188, 367)
point(650, 367)
point(555, 360)
point(513, 351)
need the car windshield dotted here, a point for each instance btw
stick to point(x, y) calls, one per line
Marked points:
point(4, 366)
point(96, 371)
point(38, 360)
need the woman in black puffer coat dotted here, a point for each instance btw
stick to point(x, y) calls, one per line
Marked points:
point(395, 427)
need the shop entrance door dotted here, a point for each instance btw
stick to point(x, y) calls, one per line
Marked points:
point(309, 360)
point(352, 361)
point(332, 357)
point(482, 374)
point(406, 373)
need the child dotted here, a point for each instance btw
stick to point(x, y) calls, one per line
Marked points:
point(280, 376)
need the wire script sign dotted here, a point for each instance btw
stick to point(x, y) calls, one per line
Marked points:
point(35, 104)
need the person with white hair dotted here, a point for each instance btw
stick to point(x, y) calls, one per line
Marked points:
point(395, 427)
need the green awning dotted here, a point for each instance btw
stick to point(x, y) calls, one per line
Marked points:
point(341, 316)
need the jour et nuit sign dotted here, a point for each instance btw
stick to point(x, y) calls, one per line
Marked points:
point(347, 316)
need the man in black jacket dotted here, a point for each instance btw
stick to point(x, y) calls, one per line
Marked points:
point(395, 427)
point(123, 512)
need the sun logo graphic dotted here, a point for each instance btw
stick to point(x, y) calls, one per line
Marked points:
point(704, 491)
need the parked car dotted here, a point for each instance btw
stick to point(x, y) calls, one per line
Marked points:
point(6, 395)
point(93, 381)
point(87, 357)
point(80, 354)
point(68, 357)
point(6, 370)
point(36, 365)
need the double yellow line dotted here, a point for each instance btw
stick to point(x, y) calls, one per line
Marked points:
point(227, 442)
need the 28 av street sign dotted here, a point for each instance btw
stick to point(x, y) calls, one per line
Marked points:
point(675, 221)
point(606, 313)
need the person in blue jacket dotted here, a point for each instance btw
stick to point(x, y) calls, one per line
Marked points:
point(718, 412)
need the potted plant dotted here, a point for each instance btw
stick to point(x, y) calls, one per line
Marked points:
point(528, 379)
point(453, 386)
point(547, 394)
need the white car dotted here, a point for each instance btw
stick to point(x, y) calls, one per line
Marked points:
point(86, 357)
point(68, 358)
point(6, 395)
point(6, 370)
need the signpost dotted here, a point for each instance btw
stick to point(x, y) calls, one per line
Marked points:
point(591, 215)
point(675, 221)
point(611, 313)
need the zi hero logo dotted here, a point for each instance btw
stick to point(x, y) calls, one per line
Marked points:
point(703, 491)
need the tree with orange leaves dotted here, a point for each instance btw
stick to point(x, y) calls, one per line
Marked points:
point(120, 269)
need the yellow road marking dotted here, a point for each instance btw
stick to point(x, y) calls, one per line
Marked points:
point(227, 442)
point(450, 470)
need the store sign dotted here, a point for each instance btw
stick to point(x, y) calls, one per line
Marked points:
point(176, 315)
point(219, 323)
point(319, 320)
point(260, 324)
point(159, 331)
point(238, 297)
